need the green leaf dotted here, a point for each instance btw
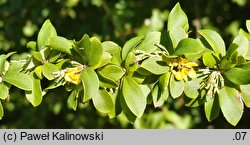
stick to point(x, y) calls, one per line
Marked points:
point(116, 110)
point(231, 104)
point(103, 101)
point(61, 44)
point(31, 45)
point(38, 56)
point(116, 58)
point(105, 59)
point(164, 80)
point(131, 63)
point(155, 65)
point(159, 96)
point(129, 45)
point(112, 72)
point(49, 69)
point(4, 91)
point(19, 80)
point(177, 34)
point(39, 71)
point(73, 99)
point(54, 55)
point(246, 34)
point(211, 107)
point(188, 46)
point(133, 96)
point(45, 52)
point(46, 32)
point(35, 95)
point(238, 75)
point(106, 82)
point(16, 66)
point(231, 50)
point(93, 53)
point(166, 42)
point(1, 110)
point(245, 93)
point(243, 44)
point(54, 84)
point(176, 88)
point(248, 25)
point(2, 63)
point(127, 111)
point(191, 88)
point(82, 47)
point(110, 47)
point(226, 64)
point(215, 41)
point(148, 43)
point(177, 18)
point(194, 102)
point(90, 83)
point(208, 60)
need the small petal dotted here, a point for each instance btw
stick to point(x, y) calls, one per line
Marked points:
point(192, 73)
point(191, 64)
point(179, 76)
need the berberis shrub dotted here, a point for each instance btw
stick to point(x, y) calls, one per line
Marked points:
point(146, 70)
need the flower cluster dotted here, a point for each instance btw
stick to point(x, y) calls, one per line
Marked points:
point(182, 68)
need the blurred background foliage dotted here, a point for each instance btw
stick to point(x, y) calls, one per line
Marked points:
point(116, 20)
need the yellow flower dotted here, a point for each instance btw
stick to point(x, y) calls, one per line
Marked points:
point(73, 75)
point(184, 68)
point(179, 75)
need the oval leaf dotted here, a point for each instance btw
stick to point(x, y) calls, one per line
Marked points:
point(133, 96)
point(105, 59)
point(191, 88)
point(176, 88)
point(46, 32)
point(215, 41)
point(35, 96)
point(129, 45)
point(112, 72)
point(211, 107)
point(103, 101)
point(164, 80)
point(73, 99)
point(177, 34)
point(127, 111)
point(188, 46)
point(245, 93)
point(110, 47)
point(106, 82)
point(243, 44)
point(1, 110)
point(177, 17)
point(95, 52)
point(248, 25)
point(208, 60)
point(61, 44)
point(31, 45)
point(39, 71)
point(19, 80)
point(90, 83)
point(148, 43)
point(2, 63)
point(159, 96)
point(4, 91)
point(231, 105)
point(49, 69)
point(155, 65)
point(237, 75)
